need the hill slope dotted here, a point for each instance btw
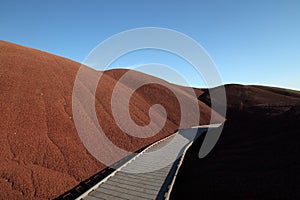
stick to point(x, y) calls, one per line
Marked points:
point(41, 154)
point(257, 155)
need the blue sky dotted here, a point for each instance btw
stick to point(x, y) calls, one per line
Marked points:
point(250, 41)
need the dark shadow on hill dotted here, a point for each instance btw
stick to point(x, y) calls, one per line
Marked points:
point(257, 155)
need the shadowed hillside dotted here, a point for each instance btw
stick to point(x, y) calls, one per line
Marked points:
point(41, 154)
point(257, 155)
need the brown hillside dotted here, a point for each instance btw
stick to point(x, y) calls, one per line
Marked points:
point(41, 154)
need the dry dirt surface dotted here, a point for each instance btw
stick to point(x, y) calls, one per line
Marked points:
point(257, 155)
point(41, 154)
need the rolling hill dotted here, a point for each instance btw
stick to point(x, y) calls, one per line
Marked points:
point(257, 155)
point(41, 154)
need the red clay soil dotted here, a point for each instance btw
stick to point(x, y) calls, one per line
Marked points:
point(41, 154)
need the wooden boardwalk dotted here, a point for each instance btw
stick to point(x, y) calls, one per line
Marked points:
point(150, 174)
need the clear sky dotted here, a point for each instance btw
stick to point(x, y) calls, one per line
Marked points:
point(250, 41)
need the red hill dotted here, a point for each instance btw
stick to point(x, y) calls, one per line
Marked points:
point(41, 154)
